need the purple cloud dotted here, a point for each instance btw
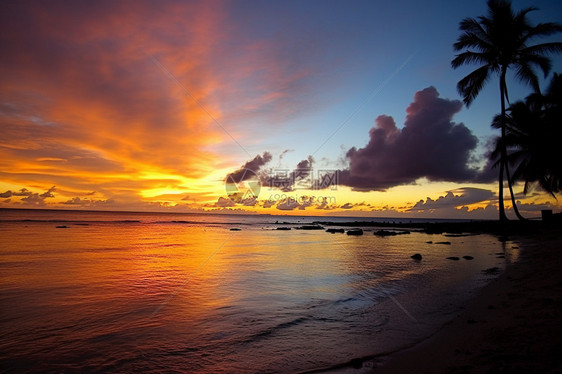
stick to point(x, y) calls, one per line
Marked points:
point(245, 172)
point(429, 145)
point(460, 197)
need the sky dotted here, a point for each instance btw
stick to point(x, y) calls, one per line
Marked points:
point(272, 107)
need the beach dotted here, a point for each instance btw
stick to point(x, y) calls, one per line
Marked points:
point(513, 326)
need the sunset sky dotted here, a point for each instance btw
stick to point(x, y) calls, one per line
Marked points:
point(151, 106)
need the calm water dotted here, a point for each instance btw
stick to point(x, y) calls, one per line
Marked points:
point(131, 292)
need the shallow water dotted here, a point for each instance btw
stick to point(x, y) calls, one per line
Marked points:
point(132, 292)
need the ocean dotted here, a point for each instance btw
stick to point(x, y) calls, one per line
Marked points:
point(159, 293)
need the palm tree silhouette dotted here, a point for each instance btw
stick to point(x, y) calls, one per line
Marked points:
point(499, 42)
point(533, 131)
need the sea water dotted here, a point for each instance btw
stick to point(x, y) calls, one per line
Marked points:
point(152, 292)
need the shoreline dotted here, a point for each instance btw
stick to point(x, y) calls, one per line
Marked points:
point(513, 324)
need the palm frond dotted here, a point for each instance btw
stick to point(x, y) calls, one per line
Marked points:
point(528, 76)
point(542, 29)
point(470, 86)
point(469, 57)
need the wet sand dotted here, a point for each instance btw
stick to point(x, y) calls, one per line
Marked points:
point(513, 326)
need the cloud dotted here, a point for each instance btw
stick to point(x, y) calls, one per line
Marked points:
point(430, 145)
point(22, 192)
point(49, 193)
point(249, 169)
point(347, 206)
point(76, 201)
point(288, 204)
point(456, 198)
point(71, 68)
point(288, 180)
point(28, 197)
point(223, 202)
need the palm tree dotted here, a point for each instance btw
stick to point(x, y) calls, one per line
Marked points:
point(499, 42)
point(533, 131)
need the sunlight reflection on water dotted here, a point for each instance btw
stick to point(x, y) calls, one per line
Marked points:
point(84, 298)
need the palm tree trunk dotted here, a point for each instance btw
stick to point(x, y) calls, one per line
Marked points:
point(509, 183)
point(503, 89)
point(503, 155)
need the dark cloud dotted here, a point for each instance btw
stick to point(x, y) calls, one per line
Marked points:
point(223, 202)
point(288, 180)
point(249, 169)
point(288, 204)
point(28, 197)
point(429, 145)
point(22, 192)
point(460, 197)
point(49, 193)
point(268, 203)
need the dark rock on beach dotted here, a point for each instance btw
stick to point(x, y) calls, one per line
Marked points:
point(235, 229)
point(284, 228)
point(446, 243)
point(355, 232)
point(454, 258)
point(62, 227)
point(468, 257)
point(417, 256)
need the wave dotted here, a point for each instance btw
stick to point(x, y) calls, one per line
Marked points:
point(274, 329)
point(75, 222)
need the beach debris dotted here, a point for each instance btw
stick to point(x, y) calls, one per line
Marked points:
point(333, 231)
point(284, 228)
point(446, 243)
point(235, 229)
point(355, 232)
point(454, 258)
point(62, 227)
point(417, 256)
point(429, 242)
point(310, 227)
point(390, 233)
point(468, 257)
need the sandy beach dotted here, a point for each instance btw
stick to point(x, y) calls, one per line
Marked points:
point(513, 326)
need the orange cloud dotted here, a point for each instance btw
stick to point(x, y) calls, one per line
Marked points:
point(87, 104)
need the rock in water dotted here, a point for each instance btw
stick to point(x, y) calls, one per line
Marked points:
point(468, 257)
point(355, 232)
point(235, 229)
point(453, 258)
point(333, 231)
point(390, 233)
point(310, 227)
point(417, 256)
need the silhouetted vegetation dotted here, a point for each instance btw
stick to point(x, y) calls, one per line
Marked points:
point(533, 133)
point(499, 42)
